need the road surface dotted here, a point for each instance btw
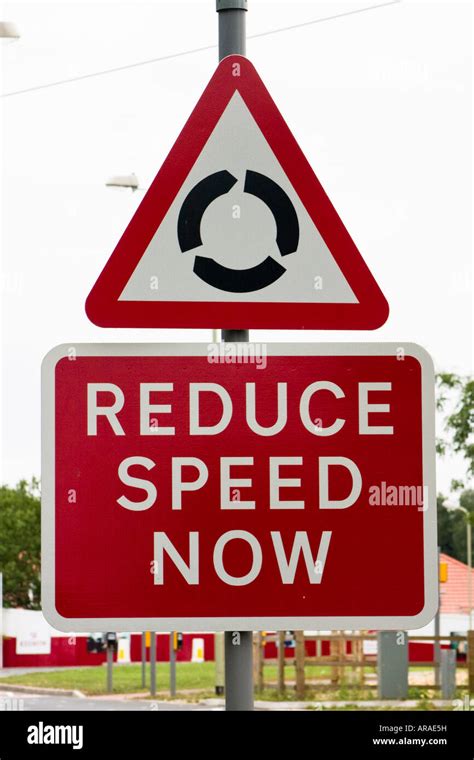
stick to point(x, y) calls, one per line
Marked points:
point(22, 701)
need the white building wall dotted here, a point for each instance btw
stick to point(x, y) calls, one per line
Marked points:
point(19, 622)
point(447, 624)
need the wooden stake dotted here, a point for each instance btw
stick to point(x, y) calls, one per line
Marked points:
point(281, 662)
point(299, 664)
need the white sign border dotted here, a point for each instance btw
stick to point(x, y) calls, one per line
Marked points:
point(200, 624)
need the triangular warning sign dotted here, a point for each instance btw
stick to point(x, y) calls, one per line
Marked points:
point(236, 230)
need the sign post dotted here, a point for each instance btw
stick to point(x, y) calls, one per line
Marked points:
point(110, 642)
point(143, 653)
point(392, 664)
point(173, 640)
point(1, 621)
point(153, 663)
point(437, 631)
point(238, 644)
point(219, 644)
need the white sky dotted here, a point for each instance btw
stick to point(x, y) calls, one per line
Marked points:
point(380, 103)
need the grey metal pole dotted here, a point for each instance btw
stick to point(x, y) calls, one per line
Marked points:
point(110, 663)
point(219, 658)
point(448, 673)
point(238, 670)
point(437, 651)
point(469, 564)
point(231, 15)
point(437, 644)
point(172, 666)
point(238, 644)
point(153, 663)
point(392, 664)
point(1, 621)
point(231, 27)
point(143, 659)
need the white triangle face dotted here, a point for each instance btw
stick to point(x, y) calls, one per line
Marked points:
point(238, 230)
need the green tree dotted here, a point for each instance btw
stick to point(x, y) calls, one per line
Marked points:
point(445, 529)
point(452, 526)
point(459, 423)
point(20, 544)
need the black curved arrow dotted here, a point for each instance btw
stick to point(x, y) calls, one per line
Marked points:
point(288, 231)
point(195, 204)
point(238, 280)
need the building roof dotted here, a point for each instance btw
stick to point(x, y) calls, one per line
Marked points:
point(455, 592)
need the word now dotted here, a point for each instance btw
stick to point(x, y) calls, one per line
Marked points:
point(287, 566)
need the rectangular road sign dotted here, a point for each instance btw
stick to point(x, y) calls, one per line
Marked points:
point(238, 487)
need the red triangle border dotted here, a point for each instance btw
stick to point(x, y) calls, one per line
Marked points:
point(105, 310)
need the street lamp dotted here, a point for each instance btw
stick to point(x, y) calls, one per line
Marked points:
point(467, 514)
point(8, 31)
point(129, 181)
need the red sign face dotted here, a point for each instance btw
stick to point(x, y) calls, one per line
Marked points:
point(238, 486)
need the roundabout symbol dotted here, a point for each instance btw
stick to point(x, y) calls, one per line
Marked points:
point(189, 231)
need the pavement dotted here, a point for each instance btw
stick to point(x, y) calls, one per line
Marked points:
point(13, 700)
point(24, 700)
point(367, 704)
point(28, 698)
point(5, 672)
